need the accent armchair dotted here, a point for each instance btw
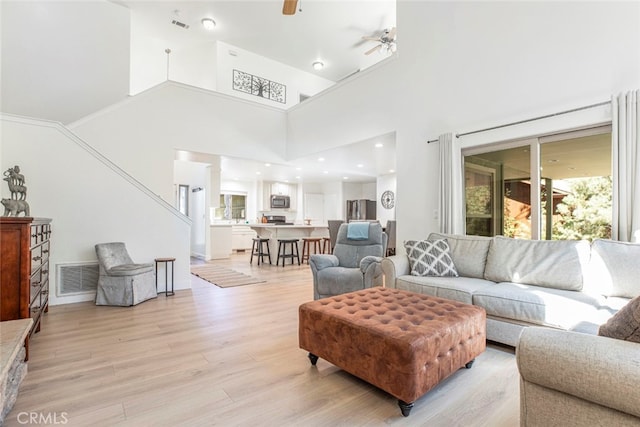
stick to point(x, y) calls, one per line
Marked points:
point(354, 264)
point(121, 281)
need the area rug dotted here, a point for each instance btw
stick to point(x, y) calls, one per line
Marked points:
point(223, 277)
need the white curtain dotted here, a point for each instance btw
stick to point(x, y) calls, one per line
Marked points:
point(451, 188)
point(626, 167)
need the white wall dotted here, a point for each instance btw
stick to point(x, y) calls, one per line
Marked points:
point(172, 116)
point(463, 66)
point(89, 203)
point(295, 80)
point(384, 183)
point(189, 63)
point(51, 54)
point(333, 200)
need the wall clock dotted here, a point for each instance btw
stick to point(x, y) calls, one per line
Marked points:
point(388, 199)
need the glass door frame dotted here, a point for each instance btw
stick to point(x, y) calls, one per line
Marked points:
point(535, 144)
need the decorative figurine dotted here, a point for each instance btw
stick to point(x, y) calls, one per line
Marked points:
point(17, 203)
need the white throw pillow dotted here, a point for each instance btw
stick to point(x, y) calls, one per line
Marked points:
point(430, 258)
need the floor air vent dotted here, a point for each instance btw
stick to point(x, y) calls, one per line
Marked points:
point(77, 278)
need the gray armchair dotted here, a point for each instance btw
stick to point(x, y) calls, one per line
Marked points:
point(354, 264)
point(121, 281)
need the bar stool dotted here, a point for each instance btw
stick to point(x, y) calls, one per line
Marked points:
point(307, 242)
point(326, 245)
point(282, 250)
point(257, 248)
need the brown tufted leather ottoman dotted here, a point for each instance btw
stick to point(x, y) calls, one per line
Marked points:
point(401, 342)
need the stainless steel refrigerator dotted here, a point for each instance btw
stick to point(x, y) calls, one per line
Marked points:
point(361, 209)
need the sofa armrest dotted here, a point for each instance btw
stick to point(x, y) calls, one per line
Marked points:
point(372, 271)
point(321, 261)
point(591, 368)
point(369, 261)
point(393, 267)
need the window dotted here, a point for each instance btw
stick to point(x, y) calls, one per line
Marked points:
point(573, 199)
point(232, 206)
point(183, 199)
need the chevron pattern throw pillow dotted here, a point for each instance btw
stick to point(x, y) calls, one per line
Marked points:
point(430, 258)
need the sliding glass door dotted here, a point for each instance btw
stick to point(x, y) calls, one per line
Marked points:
point(552, 187)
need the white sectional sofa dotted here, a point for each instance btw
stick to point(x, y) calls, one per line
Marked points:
point(566, 285)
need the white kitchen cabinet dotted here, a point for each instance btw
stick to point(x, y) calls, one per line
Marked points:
point(221, 237)
point(281, 189)
point(241, 237)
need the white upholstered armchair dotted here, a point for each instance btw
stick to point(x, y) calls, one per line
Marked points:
point(354, 264)
point(121, 281)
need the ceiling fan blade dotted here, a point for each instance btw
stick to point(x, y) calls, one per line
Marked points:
point(289, 7)
point(392, 33)
point(373, 49)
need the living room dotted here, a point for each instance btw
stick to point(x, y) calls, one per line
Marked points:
point(460, 66)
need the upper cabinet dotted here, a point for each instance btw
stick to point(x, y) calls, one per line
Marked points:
point(282, 189)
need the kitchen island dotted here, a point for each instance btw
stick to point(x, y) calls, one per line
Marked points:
point(273, 232)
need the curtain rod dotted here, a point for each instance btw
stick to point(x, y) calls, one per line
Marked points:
point(546, 116)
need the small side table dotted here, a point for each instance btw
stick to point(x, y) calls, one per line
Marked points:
point(166, 262)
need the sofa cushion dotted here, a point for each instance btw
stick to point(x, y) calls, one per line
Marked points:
point(614, 268)
point(469, 253)
point(554, 264)
point(455, 288)
point(538, 305)
point(430, 258)
point(625, 324)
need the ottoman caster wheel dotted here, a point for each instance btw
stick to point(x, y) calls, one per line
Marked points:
point(469, 364)
point(313, 358)
point(405, 407)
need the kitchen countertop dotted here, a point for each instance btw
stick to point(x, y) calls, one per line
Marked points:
point(287, 226)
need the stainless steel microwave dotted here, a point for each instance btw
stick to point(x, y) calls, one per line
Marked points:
point(282, 202)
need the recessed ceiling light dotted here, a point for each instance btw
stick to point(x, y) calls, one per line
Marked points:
point(325, 171)
point(360, 165)
point(318, 65)
point(208, 24)
point(298, 177)
point(267, 164)
point(345, 177)
point(298, 169)
point(379, 145)
point(321, 159)
point(392, 170)
point(258, 173)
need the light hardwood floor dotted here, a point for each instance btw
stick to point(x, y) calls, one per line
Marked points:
point(229, 357)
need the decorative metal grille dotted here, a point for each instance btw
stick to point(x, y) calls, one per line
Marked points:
point(258, 86)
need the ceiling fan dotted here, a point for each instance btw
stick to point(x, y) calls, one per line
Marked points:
point(386, 40)
point(289, 7)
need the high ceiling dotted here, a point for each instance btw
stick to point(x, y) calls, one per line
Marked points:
point(330, 30)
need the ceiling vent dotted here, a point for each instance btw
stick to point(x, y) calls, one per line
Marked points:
point(180, 24)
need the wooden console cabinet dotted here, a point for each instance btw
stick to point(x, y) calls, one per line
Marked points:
point(24, 268)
